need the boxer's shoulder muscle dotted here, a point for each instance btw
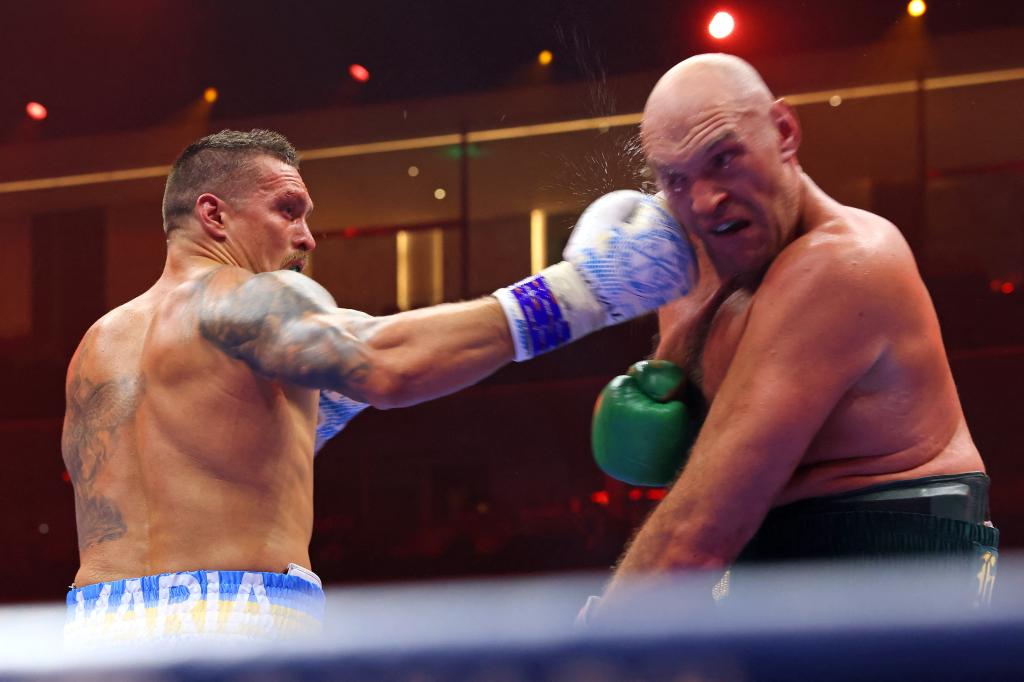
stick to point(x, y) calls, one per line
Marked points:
point(263, 289)
point(283, 325)
point(232, 300)
point(839, 290)
point(858, 262)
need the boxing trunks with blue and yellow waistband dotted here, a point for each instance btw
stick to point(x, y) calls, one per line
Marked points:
point(190, 605)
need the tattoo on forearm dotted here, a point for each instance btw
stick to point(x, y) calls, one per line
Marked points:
point(269, 324)
point(95, 413)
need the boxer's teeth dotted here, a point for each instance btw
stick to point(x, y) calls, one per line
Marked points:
point(731, 226)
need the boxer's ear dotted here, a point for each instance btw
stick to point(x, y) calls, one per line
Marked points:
point(209, 213)
point(788, 126)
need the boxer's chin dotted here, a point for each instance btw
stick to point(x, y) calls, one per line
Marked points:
point(742, 267)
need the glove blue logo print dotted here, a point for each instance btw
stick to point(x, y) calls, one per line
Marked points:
point(634, 272)
point(653, 265)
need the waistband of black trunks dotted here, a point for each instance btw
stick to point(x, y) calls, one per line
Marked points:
point(931, 515)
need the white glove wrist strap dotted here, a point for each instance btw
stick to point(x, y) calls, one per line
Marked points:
point(549, 309)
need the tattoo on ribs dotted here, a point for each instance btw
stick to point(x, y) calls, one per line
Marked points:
point(96, 411)
point(266, 323)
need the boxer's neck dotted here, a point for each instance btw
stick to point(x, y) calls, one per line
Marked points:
point(816, 207)
point(188, 258)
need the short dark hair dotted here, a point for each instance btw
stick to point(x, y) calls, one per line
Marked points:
point(216, 163)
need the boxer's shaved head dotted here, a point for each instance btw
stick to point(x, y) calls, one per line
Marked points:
point(221, 164)
point(702, 85)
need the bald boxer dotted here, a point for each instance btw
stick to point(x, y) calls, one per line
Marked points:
point(192, 410)
point(834, 427)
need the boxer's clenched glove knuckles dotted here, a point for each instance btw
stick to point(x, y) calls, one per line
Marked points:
point(632, 254)
point(625, 257)
point(641, 433)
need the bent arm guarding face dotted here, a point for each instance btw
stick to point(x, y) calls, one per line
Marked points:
point(798, 356)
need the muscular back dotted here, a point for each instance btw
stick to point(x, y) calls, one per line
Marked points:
point(899, 417)
point(183, 457)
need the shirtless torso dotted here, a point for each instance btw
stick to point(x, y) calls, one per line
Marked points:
point(182, 457)
point(900, 418)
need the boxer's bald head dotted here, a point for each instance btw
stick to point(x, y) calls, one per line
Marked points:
point(702, 85)
point(724, 154)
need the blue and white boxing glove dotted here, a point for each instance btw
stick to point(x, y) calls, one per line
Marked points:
point(626, 256)
point(334, 413)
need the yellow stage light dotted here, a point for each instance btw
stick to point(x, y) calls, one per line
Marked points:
point(538, 240)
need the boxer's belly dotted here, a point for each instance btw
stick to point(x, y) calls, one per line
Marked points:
point(820, 475)
point(881, 430)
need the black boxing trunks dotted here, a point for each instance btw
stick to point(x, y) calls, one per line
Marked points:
point(943, 519)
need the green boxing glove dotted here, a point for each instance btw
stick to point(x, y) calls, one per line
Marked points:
point(641, 433)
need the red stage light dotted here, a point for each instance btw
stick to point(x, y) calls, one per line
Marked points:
point(359, 73)
point(35, 111)
point(721, 25)
point(635, 493)
point(1007, 288)
point(656, 493)
point(600, 497)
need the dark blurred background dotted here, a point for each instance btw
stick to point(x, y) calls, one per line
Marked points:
point(458, 166)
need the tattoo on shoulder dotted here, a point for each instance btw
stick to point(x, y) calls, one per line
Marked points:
point(268, 321)
point(96, 411)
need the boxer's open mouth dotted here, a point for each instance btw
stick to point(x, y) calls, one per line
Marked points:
point(731, 226)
